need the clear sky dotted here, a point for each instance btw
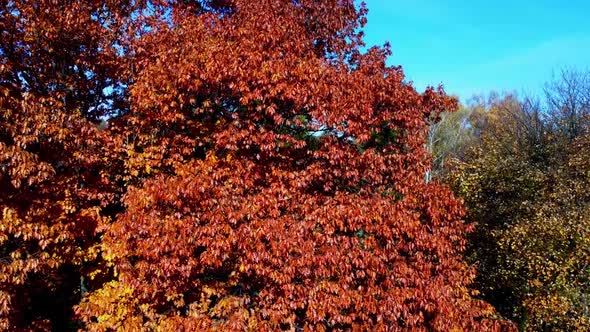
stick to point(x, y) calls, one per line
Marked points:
point(475, 46)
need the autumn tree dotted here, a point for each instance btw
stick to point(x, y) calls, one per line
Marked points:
point(522, 183)
point(257, 172)
point(58, 61)
point(286, 187)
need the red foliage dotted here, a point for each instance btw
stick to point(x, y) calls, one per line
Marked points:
point(55, 183)
point(274, 174)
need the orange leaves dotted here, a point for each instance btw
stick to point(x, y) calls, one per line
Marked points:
point(50, 170)
point(312, 257)
point(257, 173)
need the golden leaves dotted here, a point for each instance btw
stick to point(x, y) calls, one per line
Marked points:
point(116, 304)
point(532, 219)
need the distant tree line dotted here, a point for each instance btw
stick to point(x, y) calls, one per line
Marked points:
point(522, 165)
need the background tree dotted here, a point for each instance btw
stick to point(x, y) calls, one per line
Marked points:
point(450, 135)
point(568, 102)
point(522, 184)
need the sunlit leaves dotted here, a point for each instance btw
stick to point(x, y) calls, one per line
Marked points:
point(523, 186)
point(257, 208)
point(258, 172)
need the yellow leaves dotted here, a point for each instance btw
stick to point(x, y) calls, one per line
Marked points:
point(225, 306)
point(96, 272)
point(250, 316)
point(141, 164)
point(68, 207)
point(67, 204)
point(177, 299)
point(9, 220)
point(108, 256)
point(115, 304)
point(211, 158)
point(536, 283)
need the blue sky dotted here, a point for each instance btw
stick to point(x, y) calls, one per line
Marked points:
point(475, 46)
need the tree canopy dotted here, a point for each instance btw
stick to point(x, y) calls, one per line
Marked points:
point(257, 172)
point(524, 180)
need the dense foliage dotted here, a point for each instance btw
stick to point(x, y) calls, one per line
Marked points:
point(525, 181)
point(56, 60)
point(256, 172)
